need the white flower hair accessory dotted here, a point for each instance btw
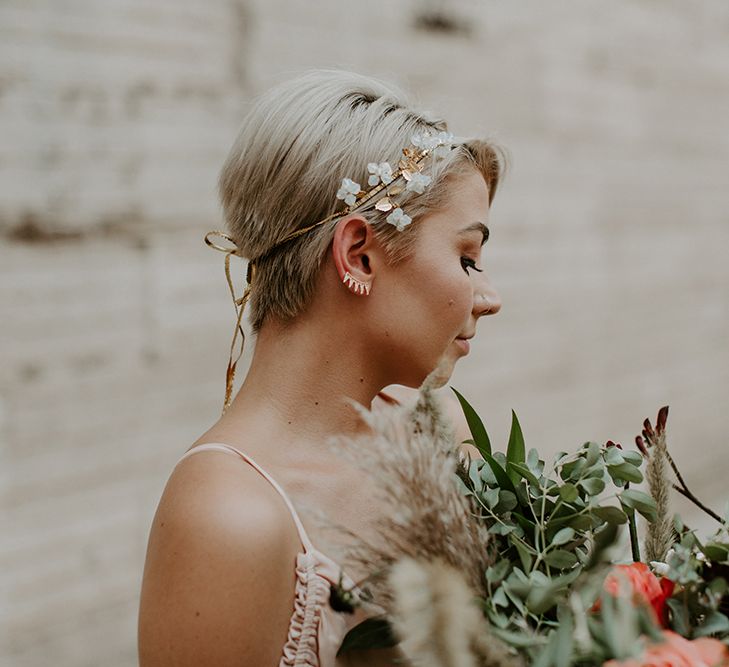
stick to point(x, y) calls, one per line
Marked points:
point(380, 172)
point(383, 177)
point(399, 219)
point(348, 191)
point(418, 182)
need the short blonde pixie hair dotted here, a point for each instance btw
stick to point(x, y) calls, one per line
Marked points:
point(297, 143)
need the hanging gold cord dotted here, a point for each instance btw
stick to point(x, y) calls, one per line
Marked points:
point(238, 303)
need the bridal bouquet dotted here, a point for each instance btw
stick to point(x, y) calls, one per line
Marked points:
point(508, 560)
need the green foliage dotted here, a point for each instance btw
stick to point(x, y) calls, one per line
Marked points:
point(374, 632)
point(478, 430)
point(700, 608)
point(551, 527)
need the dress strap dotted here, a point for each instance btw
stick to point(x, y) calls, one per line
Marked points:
point(294, 514)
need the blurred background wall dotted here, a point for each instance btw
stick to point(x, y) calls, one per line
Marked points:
point(609, 244)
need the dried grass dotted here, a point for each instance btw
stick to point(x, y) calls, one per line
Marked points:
point(437, 620)
point(412, 458)
point(659, 533)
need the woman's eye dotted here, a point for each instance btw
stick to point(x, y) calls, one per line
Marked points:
point(468, 263)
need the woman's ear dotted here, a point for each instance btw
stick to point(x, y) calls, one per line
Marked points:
point(354, 247)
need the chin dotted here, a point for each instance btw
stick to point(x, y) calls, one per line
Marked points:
point(437, 373)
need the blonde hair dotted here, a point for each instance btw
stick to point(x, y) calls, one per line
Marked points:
point(297, 143)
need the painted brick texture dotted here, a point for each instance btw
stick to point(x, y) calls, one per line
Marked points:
point(608, 246)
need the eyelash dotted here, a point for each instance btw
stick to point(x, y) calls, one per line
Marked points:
point(467, 262)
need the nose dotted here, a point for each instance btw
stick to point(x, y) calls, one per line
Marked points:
point(486, 300)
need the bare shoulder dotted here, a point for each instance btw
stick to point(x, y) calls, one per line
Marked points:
point(219, 576)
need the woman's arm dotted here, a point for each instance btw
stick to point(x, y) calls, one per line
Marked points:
point(219, 577)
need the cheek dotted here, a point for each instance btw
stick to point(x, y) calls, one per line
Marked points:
point(448, 298)
point(457, 294)
point(434, 292)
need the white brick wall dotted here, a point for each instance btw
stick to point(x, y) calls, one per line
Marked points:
point(608, 245)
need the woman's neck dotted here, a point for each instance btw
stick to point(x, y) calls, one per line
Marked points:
point(298, 383)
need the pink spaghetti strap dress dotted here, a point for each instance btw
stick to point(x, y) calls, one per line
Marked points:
point(315, 631)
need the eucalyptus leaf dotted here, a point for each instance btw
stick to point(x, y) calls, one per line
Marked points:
point(496, 573)
point(533, 462)
point(639, 501)
point(611, 514)
point(633, 457)
point(502, 529)
point(514, 599)
point(487, 475)
point(573, 469)
point(525, 557)
point(526, 525)
point(507, 501)
point(519, 583)
point(592, 485)
point(501, 458)
point(499, 598)
point(523, 494)
point(625, 471)
point(475, 477)
point(580, 522)
point(517, 639)
point(563, 536)
point(546, 592)
point(561, 558)
point(542, 598)
point(498, 619)
point(491, 497)
point(596, 470)
point(568, 492)
point(593, 453)
point(717, 552)
point(462, 487)
point(613, 456)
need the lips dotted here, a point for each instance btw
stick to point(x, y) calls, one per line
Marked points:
point(464, 344)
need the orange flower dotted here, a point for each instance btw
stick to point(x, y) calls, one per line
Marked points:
point(645, 587)
point(676, 651)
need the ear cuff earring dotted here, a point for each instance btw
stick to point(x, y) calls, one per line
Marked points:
point(356, 286)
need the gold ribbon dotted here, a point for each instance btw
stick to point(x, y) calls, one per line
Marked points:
point(239, 304)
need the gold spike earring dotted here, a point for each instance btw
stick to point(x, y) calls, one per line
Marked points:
point(356, 286)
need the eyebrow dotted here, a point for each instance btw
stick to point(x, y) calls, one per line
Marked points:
point(477, 227)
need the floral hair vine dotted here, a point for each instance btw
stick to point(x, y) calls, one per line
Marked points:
point(382, 177)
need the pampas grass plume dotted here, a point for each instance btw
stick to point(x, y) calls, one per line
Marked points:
point(659, 534)
point(437, 620)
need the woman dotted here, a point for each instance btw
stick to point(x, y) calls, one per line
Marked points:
point(352, 288)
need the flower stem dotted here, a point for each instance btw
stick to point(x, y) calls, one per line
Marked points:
point(634, 544)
